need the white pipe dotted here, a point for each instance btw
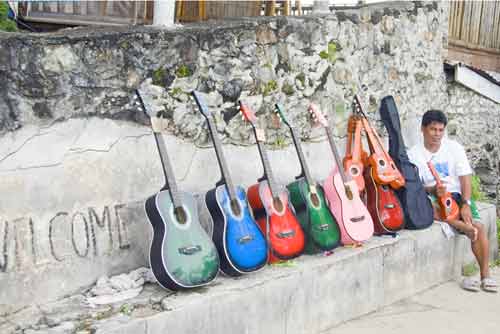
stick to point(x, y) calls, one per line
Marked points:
point(163, 13)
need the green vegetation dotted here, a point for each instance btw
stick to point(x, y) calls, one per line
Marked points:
point(477, 193)
point(126, 309)
point(302, 78)
point(470, 269)
point(288, 89)
point(176, 91)
point(268, 65)
point(158, 76)
point(279, 143)
point(5, 23)
point(183, 71)
point(330, 53)
point(269, 87)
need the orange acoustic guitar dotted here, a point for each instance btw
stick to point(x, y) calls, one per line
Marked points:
point(384, 169)
point(354, 154)
point(448, 208)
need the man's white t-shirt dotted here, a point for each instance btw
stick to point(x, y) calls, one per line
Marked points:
point(450, 162)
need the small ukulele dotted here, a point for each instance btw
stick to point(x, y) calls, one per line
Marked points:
point(448, 208)
point(384, 168)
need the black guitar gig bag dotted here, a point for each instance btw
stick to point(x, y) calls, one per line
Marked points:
point(416, 205)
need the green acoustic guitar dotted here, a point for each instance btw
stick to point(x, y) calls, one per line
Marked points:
point(308, 199)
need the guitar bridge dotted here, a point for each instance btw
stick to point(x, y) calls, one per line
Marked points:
point(286, 234)
point(245, 239)
point(189, 250)
point(389, 206)
point(323, 227)
point(357, 219)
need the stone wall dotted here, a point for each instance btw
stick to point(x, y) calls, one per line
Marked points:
point(77, 158)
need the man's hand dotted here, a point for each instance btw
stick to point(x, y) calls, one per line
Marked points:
point(440, 190)
point(466, 214)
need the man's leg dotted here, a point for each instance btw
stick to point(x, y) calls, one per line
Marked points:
point(481, 250)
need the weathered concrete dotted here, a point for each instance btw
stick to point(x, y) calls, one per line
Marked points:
point(445, 309)
point(313, 295)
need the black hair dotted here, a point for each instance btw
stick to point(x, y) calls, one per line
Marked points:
point(434, 115)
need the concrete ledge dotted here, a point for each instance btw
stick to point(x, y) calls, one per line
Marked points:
point(312, 296)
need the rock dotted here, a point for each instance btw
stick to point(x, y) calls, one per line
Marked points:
point(265, 35)
point(231, 90)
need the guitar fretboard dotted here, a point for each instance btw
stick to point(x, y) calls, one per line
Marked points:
point(302, 159)
point(268, 174)
point(340, 167)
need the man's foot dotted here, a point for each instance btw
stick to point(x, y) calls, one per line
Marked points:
point(488, 284)
point(470, 284)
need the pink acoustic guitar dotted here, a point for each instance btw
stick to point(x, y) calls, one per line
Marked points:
point(342, 194)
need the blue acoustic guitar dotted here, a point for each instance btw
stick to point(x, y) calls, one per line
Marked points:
point(241, 244)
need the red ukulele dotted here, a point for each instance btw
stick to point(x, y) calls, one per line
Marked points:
point(270, 206)
point(385, 170)
point(448, 208)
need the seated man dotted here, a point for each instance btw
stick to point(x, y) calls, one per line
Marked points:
point(454, 170)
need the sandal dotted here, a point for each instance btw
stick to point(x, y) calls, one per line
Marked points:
point(488, 284)
point(470, 284)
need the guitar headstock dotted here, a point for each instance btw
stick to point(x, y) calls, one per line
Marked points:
point(281, 114)
point(202, 106)
point(249, 116)
point(317, 115)
point(157, 123)
point(356, 106)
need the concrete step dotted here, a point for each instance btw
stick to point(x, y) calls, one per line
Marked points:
point(311, 295)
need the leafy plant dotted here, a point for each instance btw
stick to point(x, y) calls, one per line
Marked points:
point(330, 53)
point(183, 71)
point(269, 87)
point(5, 23)
point(477, 193)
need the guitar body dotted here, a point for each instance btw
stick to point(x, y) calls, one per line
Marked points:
point(383, 205)
point(355, 222)
point(286, 238)
point(355, 169)
point(448, 208)
point(385, 171)
point(320, 227)
point(181, 255)
point(240, 243)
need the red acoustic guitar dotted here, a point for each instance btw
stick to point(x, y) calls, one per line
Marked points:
point(385, 170)
point(383, 205)
point(448, 208)
point(270, 205)
point(354, 154)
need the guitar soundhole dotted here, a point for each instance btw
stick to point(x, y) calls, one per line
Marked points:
point(384, 187)
point(448, 202)
point(354, 171)
point(235, 207)
point(381, 163)
point(180, 215)
point(278, 204)
point(315, 200)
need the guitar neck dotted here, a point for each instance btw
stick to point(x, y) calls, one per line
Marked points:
point(226, 177)
point(168, 172)
point(434, 173)
point(373, 139)
point(336, 154)
point(303, 165)
point(268, 175)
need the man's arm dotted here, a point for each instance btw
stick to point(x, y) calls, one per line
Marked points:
point(466, 188)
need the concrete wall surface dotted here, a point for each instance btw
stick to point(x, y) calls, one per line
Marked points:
point(312, 295)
